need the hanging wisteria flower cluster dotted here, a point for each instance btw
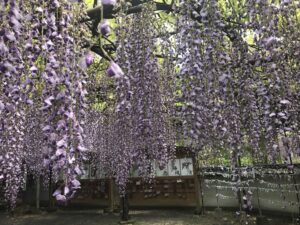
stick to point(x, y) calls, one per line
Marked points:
point(239, 92)
point(41, 76)
point(64, 102)
point(140, 95)
point(140, 131)
point(12, 98)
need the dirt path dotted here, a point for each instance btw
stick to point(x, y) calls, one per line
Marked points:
point(141, 217)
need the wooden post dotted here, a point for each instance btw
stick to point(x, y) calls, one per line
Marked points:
point(198, 187)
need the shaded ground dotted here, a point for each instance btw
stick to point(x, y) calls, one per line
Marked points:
point(140, 217)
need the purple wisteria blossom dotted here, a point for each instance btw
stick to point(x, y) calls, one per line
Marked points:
point(114, 70)
point(104, 28)
point(109, 2)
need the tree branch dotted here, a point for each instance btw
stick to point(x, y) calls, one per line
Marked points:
point(108, 48)
point(109, 12)
point(137, 6)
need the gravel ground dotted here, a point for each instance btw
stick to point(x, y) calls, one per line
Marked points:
point(141, 217)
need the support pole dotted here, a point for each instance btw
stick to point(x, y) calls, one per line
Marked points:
point(125, 208)
point(198, 188)
point(111, 195)
point(50, 189)
point(239, 193)
point(38, 191)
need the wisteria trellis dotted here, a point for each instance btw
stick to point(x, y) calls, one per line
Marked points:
point(233, 91)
